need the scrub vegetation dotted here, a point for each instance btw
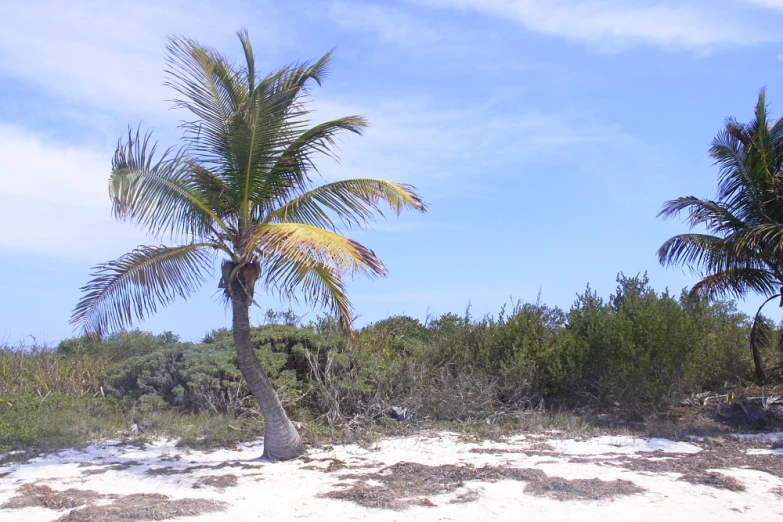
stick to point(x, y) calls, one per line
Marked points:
point(630, 355)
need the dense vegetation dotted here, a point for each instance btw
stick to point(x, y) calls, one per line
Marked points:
point(633, 353)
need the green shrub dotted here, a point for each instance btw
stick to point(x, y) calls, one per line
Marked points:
point(118, 346)
point(205, 377)
point(637, 351)
point(644, 350)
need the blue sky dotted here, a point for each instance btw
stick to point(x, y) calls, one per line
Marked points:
point(545, 137)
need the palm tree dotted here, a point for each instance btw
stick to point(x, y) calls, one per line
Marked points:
point(742, 252)
point(239, 189)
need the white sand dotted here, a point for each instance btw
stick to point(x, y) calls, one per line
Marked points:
point(287, 491)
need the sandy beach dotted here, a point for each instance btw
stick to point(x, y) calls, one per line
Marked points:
point(430, 476)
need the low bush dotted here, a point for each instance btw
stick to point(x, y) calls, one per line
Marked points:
point(634, 353)
point(205, 377)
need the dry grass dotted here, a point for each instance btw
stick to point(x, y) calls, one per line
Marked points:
point(334, 464)
point(120, 508)
point(217, 481)
point(31, 495)
point(469, 495)
point(143, 506)
point(581, 489)
point(407, 483)
point(715, 480)
point(169, 470)
point(41, 370)
point(106, 468)
point(410, 483)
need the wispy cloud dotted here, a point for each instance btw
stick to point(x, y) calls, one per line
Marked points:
point(457, 149)
point(109, 55)
point(440, 41)
point(773, 4)
point(614, 25)
point(55, 199)
point(390, 24)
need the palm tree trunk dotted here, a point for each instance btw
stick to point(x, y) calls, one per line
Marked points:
point(281, 441)
point(759, 336)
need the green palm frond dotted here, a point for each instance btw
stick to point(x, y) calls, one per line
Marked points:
point(737, 283)
point(250, 61)
point(160, 194)
point(738, 189)
point(760, 337)
point(212, 92)
point(289, 174)
point(764, 240)
point(214, 190)
point(134, 285)
point(353, 201)
point(714, 215)
point(694, 251)
point(272, 119)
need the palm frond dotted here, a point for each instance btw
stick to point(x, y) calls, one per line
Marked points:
point(271, 120)
point(212, 92)
point(694, 250)
point(304, 243)
point(250, 61)
point(760, 337)
point(736, 282)
point(738, 188)
point(320, 284)
point(715, 216)
point(134, 285)
point(353, 201)
point(764, 240)
point(290, 170)
point(159, 194)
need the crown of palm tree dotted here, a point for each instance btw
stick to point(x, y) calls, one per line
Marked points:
point(240, 186)
point(742, 252)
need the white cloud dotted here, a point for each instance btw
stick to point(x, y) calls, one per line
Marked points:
point(390, 24)
point(109, 55)
point(612, 25)
point(464, 151)
point(55, 199)
point(772, 4)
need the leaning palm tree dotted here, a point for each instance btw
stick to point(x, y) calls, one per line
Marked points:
point(239, 189)
point(742, 252)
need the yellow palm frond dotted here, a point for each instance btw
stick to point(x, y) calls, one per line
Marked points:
point(320, 284)
point(307, 243)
